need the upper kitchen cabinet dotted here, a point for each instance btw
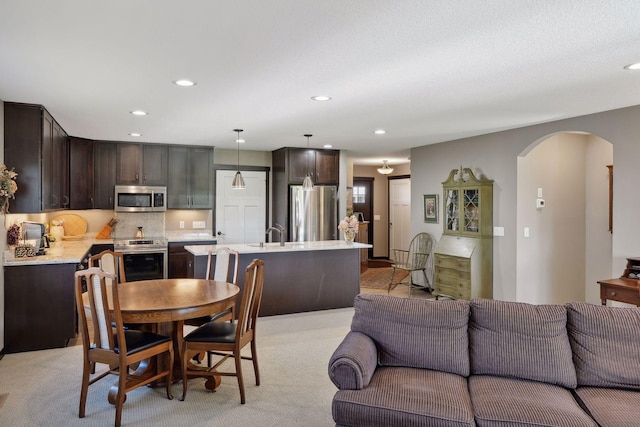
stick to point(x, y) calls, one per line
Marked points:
point(38, 148)
point(323, 165)
point(141, 164)
point(104, 175)
point(190, 177)
point(81, 173)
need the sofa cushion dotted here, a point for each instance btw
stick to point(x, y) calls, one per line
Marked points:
point(611, 407)
point(415, 333)
point(509, 402)
point(521, 340)
point(606, 345)
point(399, 396)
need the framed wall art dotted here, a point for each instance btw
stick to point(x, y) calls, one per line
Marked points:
point(431, 208)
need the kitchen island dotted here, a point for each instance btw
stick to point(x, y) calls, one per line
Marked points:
point(299, 276)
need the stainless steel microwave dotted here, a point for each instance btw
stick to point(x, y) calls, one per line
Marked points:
point(140, 198)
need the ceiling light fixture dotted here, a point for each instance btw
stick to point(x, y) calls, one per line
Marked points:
point(184, 83)
point(307, 184)
point(321, 98)
point(385, 169)
point(238, 181)
point(327, 146)
point(379, 131)
point(135, 134)
point(633, 67)
point(139, 113)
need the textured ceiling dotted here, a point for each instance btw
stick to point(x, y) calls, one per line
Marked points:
point(426, 71)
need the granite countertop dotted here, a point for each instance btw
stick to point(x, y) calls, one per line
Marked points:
point(251, 248)
point(73, 251)
point(60, 252)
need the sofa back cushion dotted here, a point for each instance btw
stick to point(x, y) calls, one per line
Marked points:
point(606, 345)
point(519, 340)
point(415, 333)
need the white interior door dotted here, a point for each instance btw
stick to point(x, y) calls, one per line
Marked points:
point(241, 214)
point(399, 214)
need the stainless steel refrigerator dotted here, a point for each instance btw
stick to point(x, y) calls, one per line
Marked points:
point(313, 214)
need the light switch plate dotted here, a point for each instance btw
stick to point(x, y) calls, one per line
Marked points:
point(376, 217)
point(198, 224)
point(181, 224)
point(498, 231)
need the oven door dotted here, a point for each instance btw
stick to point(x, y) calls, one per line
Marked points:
point(145, 264)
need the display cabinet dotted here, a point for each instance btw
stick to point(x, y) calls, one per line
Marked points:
point(468, 204)
point(463, 258)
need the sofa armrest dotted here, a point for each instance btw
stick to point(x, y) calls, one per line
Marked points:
point(354, 361)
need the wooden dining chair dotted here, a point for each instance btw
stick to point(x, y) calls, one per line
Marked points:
point(223, 264)
point(111, 262)
point(228, 339)
point(115, 346)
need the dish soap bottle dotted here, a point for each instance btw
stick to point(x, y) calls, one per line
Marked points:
point(139, 233)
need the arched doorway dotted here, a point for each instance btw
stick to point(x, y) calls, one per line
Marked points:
point(564, 247)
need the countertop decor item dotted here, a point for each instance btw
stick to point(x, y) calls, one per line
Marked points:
point(349, 226)
point(8, 187)
point(75, 226)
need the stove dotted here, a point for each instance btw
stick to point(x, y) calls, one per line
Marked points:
point(144, 259)
point(143, 244)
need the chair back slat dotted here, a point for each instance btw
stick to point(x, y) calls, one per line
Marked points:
point(251, 297)
point(419, 250)
point(111, 262)
point(98, 299)
point(226, 265)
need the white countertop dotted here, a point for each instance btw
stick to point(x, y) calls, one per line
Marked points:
point(254, 248)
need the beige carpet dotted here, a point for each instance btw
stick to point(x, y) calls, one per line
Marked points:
point(295, 389)
point(378, 278)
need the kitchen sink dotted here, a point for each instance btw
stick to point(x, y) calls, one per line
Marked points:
point(275, 245)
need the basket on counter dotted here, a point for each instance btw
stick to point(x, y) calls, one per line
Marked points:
point(24, 251)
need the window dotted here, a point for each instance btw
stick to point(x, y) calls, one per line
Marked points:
point(358, 194)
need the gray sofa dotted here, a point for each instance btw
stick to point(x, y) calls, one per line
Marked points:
point(415, 362)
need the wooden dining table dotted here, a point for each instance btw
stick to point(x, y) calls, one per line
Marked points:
point(164, 305)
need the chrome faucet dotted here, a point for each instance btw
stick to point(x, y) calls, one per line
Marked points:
point(278, 228)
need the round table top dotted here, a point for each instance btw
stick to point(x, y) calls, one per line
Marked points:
point(169, 300)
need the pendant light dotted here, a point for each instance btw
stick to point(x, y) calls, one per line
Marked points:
point(238, 181)
point(385, 169)
point(307, 184)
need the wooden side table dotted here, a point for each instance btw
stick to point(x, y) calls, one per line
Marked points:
point(622, 290)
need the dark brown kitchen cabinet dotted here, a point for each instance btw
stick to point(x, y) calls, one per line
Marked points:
point(40, 309)
point(180, 263)
point(141, 164)
point(190, 177)
point(104, 174)
point(81, 173)
point(37, 147)
point(323, 165)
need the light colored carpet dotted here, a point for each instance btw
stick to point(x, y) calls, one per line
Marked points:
point(295, 390)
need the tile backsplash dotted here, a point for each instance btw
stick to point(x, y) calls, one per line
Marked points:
point(128, 223)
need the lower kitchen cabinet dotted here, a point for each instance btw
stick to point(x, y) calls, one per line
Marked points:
point(40, 309)
point(180, 263)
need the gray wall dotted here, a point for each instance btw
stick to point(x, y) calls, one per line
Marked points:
point(496, 157)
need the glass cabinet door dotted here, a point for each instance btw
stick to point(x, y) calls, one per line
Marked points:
point(470, 207)
point(451, 209)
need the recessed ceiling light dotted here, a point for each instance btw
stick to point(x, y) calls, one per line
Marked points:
point(328, 146)
point(379, 131)
point(185, 82)
point(635, 66)
point(135, 134)
point(321, 98)
point(240, 141)
point(139, 113)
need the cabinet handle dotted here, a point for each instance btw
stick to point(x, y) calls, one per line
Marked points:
point(137, 176)
point(66, 201)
